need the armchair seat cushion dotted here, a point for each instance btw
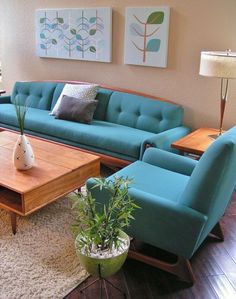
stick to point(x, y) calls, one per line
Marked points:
point(165, 183)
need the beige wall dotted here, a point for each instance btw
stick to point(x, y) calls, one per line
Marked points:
point(195, 25)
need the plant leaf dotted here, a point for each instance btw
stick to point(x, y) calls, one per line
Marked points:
point(92, 20)
point(73, 31)
point(156, 17)
point(42, 46)
point(153, 45)
point(78, 36)
point(136, 29)
point(60, 20)
point(42, 35)
point(92, 32)
point(92, 49)
point(65, 26)
point(79, 48)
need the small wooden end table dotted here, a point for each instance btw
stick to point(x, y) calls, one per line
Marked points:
point(196, 142)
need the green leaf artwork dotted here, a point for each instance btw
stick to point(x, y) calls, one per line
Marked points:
point(92, 32)
point(92, 49)
point(60, 20)
point(73, 31)
point(156, 17)
point(144, 27)
point(153, 45)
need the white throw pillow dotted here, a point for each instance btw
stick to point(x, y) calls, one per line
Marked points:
point(80, 91)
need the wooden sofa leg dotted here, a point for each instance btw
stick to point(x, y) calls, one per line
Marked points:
point(181, 268)
point(217, 232)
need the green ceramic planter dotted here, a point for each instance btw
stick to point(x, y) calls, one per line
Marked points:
point(108, 266)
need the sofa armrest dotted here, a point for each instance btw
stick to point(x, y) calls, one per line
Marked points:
point(5, 99)
point(166, 224)
point(170, 161)
point(164, 139)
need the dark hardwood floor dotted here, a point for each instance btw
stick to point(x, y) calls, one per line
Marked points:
point(214, 266)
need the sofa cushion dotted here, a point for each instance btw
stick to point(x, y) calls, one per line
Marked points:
point(100, 135)
point(143, 113)
point(77, 110)
point(81, 91)
point(103, 96)
point(143, 171)
point(34, 94)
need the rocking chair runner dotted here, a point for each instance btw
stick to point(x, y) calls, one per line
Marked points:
point(181, 200)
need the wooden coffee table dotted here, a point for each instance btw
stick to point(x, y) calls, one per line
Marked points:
point(58, 170)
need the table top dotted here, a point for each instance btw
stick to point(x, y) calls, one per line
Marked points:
point(196, 142)
point(52, 160)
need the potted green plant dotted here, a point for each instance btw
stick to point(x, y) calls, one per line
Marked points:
point(101, 243)
point(23, 156)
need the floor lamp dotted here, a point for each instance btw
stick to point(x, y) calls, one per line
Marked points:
point(219, 65)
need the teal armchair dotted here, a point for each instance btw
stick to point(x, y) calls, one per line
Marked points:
point(181, 200)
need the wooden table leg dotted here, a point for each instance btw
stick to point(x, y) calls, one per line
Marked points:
point(13, 222)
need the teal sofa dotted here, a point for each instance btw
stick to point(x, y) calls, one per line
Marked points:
point(124, 124)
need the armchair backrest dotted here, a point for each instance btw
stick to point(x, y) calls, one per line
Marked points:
point(212, 182)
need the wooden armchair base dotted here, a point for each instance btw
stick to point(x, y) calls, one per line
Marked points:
point(180, 267)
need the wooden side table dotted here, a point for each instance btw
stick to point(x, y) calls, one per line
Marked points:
point(196, 142)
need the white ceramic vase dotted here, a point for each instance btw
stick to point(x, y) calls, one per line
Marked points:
point(23, 156)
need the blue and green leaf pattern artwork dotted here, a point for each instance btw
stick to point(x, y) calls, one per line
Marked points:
point(74, 33)
point(146, 36)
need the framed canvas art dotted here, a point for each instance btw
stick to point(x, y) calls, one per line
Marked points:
point(84, 33)
point(146, 36)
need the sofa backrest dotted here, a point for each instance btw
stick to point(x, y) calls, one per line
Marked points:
point(143, 113)
point(123, 108)
point(34, 94)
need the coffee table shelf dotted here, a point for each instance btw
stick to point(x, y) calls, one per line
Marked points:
point(10, 199)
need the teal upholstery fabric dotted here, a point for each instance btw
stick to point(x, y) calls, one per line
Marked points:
point(169, 161)
point(33, 94)
point(143, 113)
point(56, 94)
point(5, 99)
point(99, 134)
point(103, 97)
point(181, 199)
point(122, 126)
point(164, 139)
point(142, 171)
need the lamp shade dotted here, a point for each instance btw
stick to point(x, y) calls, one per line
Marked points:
point(218, 64)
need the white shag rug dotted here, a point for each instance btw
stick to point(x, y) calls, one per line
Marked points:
point(40, 260)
